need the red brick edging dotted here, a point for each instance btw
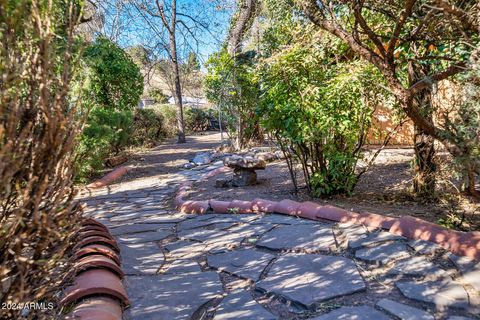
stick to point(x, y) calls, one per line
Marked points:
point(97, 291)
point(460, 243)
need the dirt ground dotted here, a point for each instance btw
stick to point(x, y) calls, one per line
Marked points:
point(384, 189)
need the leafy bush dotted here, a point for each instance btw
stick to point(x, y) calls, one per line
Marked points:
point(463, 117)
point(147, 127)
point(158, 95)
point(231, 84)
point(319, 114)
point(169, 115)
point(106, 132)
point(113, 85)
point(196, 120)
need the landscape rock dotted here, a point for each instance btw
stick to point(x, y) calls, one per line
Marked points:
point(245, 163)
point(141, 227)
point(185, 249)
point(202, 159)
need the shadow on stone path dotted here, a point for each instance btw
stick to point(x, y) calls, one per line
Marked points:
point(227, 266)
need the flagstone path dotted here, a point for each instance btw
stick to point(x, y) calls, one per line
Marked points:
point(229, 266)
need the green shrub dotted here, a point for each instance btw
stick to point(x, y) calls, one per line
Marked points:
point(318, 113)
point(106, 132)
point(196, 120)
point(110, 88)
point(231, 84)
point(147, 127)
point(169, 115)
point(158, 95)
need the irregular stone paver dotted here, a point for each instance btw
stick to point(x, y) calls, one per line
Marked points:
point(403, 311)
point(351, 231)
point(135, 228)
point(463, 264)
point(240, 305)
point(201, 234)
point(312, 278)
point(353, 313)
point(160, 219)
point(440, 293)
point(248, 230)
point(417, 266)
point(198, 223)
point(307, 237)
point(142, 258)
point(283, 219)
point(246, 263)
point(227, 241)
point(470, 270)
point(424, 247)
point(170, 296)
point(130, 216)
point(149, 236)
point(383, 253)
point(373, 238)
point(185, 249)
point(182, 266)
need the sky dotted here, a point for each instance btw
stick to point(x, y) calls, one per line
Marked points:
point(203, 27)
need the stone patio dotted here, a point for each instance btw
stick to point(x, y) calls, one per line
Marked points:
point(233, 266)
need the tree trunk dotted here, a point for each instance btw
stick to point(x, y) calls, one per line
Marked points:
point(234, 47)
point(424, 163)
point(425, 167)
point(176, 74)
point(178, 102)
point(470, 181)
point(239, 140)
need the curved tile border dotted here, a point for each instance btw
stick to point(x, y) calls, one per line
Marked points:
point(103, 308)
point(115, 174)
point(97, 291)
point(460, 243)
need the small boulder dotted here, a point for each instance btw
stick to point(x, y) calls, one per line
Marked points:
point(201, 159)
point(244, 163)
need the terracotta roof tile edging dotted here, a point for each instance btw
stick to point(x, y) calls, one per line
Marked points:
point(460, 243)
point(97, 291)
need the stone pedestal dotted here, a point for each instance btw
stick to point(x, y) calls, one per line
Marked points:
point(244, 177)
point(244, 170)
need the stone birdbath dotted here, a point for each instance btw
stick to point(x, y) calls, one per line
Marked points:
point(244, 170)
